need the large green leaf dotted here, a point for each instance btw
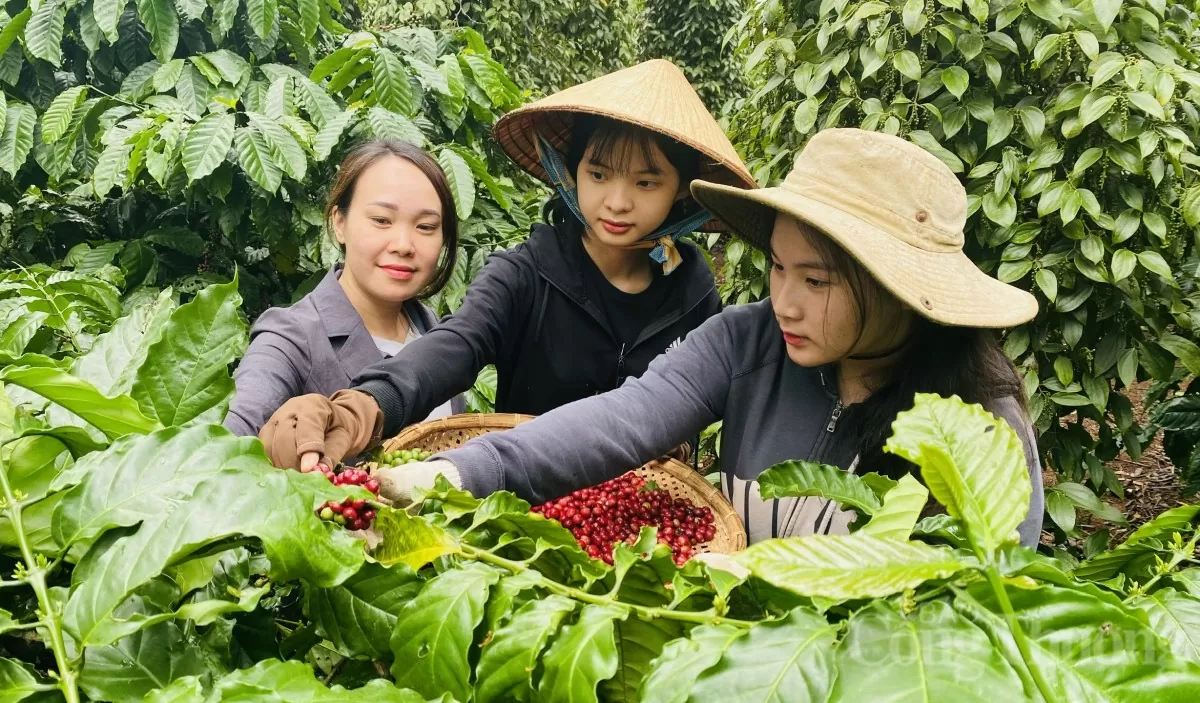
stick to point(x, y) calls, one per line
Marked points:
point(393, 90)
point(1176, 618)
point(1087, 648)
point(196, 486)
point(359, 615)
point(112, 363)
point(329, 135)
point(434, 631)
point(583, 654)
point(17, 139)
point(44, 33)
point(806, 478)
point(115, 417)
point(186, 372)
point(150, 659)
point(111, 167)
point(206, 144)
point(505, 670)
point(932, 654)
point(846, 567)
point(107, 14)
point(972, 462)
point(784, 661)
point(274, 681)
point(17, 681)
point(57, 117)
point(673, 673)
point(262, 15)
point(32, 463)
point(285, 150)
point(462, 183)
point(256, 159)
point(163, 24)
point(639, 643)
point(900, 511)
point(410, 541)
point(13, 29)
point(389, 125)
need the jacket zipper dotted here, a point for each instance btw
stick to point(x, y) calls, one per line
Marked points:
point(838, 408)
point(621, 365)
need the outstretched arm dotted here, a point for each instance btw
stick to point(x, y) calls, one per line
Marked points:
point(272, 371)
point(446, 360)
point(598, 438)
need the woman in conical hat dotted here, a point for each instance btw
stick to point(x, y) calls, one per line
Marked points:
point(594, 295)
point(872, 301)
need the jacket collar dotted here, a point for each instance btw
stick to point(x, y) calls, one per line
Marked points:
point(344, 326)
point(559, 258)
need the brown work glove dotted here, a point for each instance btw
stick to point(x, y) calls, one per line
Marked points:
point(312, 428)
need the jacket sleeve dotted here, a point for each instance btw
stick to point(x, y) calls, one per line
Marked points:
point(1030, 528)
point(592, 440)
point(272, 371)
point(446, 360)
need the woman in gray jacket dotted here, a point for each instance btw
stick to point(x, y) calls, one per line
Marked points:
point(872, 301)
point(391, 209)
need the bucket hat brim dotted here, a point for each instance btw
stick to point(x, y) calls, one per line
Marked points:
point(945, 287)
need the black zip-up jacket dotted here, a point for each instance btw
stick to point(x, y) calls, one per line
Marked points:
point(528, 313)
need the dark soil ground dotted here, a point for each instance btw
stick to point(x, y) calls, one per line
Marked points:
point(1152, 485)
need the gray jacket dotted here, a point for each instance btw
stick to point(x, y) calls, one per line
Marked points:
point(732, 368)
point(313, 346)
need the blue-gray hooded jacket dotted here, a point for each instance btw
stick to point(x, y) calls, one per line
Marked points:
point(733, 368)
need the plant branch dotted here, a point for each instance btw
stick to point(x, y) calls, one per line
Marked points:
point(36, 577)
point(1177, 558)
point(644, 612)
point(993, 577)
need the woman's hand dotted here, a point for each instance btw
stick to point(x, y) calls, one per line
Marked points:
point(313, 428)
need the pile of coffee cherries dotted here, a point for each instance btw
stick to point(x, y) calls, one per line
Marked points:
point(617, 510)
point(352, 513)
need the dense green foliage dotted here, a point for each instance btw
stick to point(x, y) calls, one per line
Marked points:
point(547, 45)
point(182, 141)
point(147, 553)
point(692, 35)
point(1074, 125)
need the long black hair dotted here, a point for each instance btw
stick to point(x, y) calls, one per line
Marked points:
point(614, 142)
point(934, 358)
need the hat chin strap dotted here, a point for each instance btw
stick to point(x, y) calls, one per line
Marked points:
point(661, 242)
point(881, 355)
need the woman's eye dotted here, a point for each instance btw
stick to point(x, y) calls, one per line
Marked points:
point(427, 228)
point(380, 220)
point(776, 267)
point(596, 175)
point(817, 283)
point(647, 184)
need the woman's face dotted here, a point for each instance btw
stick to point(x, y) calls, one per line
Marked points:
point(392, 231)
point(816, 309)
point(621, 206)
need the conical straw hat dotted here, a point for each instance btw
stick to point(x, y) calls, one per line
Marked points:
point(654, 94)
point(895, 208)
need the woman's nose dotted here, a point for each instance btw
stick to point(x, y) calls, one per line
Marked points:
point(618, 198)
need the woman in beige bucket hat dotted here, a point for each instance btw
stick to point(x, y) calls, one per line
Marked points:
point(872, 301)
point(589, 299)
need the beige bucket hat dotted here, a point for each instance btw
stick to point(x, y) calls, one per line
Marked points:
point(895, 208)
point(654, 94)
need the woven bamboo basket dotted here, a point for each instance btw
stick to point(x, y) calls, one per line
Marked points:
point(676, 478)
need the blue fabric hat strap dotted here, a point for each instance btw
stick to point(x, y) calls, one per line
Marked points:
point(662, 241)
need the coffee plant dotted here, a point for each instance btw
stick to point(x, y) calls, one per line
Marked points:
point(147, 554)
point(177, 141)
point(691, 34)
point(1073, 126)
